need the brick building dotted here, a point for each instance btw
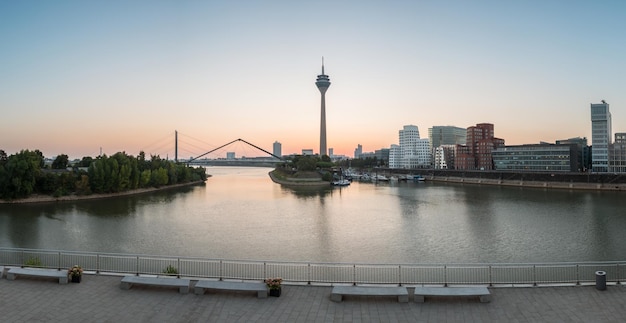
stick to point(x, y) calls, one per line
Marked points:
point(476, 154)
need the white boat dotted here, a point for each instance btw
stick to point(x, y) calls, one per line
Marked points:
point(341, 182)
point(381, 178)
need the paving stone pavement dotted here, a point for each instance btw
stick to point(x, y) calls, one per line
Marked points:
point(98, 298)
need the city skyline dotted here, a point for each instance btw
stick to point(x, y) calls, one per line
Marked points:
point(78, 77)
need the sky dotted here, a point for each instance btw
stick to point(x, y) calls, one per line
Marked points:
point(88, 77)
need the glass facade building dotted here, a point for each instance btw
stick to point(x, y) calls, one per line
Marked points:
point(537, 158)
point(600, 136)
point(446, 135)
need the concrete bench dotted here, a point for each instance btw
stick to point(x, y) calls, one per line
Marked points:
point(260, 288)
point(182, 284)
point(61, 275)
point(482, 292)
point(339, 291)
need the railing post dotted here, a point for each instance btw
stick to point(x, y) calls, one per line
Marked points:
point(354, 274)
point(534, 275)
point(399, 275)
point(59, 261)
point(97, 263)
point(490, 277)
point(137, 266)
point(221, 270)
point(179, 269)
point(264, 270)
point(577, 274)
point(308, 274)
point(445, 276)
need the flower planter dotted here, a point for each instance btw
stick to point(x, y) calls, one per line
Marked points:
point(76, 279)
point(276, 291)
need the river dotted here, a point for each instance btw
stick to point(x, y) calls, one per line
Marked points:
point(241, 214)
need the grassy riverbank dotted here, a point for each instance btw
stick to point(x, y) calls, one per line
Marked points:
point(298, 179)
point(69, 198)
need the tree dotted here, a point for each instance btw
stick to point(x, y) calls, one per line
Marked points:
point(60, 162)
point(21, 173)
point(85, 162)
point(3, 157)
point(159, 177)
point(306, 163)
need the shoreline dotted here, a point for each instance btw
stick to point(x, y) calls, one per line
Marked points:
point(313, 182)
point(529, 184)
point(71, 198)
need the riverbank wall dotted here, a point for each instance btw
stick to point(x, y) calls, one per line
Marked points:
point(533, 184)
point(571, 181)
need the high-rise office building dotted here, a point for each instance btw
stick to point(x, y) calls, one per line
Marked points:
point(358, 151)
point(446, 135)
point(277, 148)
point(323, 83)
point(600, 136)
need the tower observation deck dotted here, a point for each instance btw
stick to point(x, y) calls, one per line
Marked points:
point(323, 83)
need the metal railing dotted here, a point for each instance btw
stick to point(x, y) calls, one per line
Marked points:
point(322, 273)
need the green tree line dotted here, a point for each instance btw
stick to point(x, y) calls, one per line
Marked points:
point(24, 174)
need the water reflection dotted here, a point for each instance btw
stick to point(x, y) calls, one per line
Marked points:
point(308, 192)
point(241, 214)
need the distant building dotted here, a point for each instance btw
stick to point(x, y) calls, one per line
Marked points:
point(617, 156)
point(395, 157)
point(446, 135)
point(307, 152)
point(358, 151)
point(600, 136)
point(230, 155)
point(536, 158)
point(382, 155)
point(331, 152)
point(584, 153)
point(277, 149)
point(476, 154)
point(368, 155)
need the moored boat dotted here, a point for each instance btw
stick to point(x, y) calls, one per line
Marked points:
point(341, 182)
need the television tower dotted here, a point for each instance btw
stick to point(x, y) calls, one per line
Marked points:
point(323, 83)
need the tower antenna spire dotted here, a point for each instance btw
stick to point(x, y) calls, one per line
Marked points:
point(323, 83)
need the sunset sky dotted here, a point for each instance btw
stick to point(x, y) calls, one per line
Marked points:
point(80, 76)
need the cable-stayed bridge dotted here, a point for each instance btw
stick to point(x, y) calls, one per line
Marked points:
point(235, 152)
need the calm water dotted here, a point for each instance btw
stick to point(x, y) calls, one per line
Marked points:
point(241, 214)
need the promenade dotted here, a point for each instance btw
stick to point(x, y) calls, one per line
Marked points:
point(99, 299)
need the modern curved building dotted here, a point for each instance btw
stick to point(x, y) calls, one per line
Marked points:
point(323, 83)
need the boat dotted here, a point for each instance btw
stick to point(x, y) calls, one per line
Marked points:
point(418, 178)
point(341, 182)
point(381, 178)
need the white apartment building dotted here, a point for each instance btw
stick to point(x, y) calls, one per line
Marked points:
point(413, 152)
point(395, 157)
point(444, 157)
